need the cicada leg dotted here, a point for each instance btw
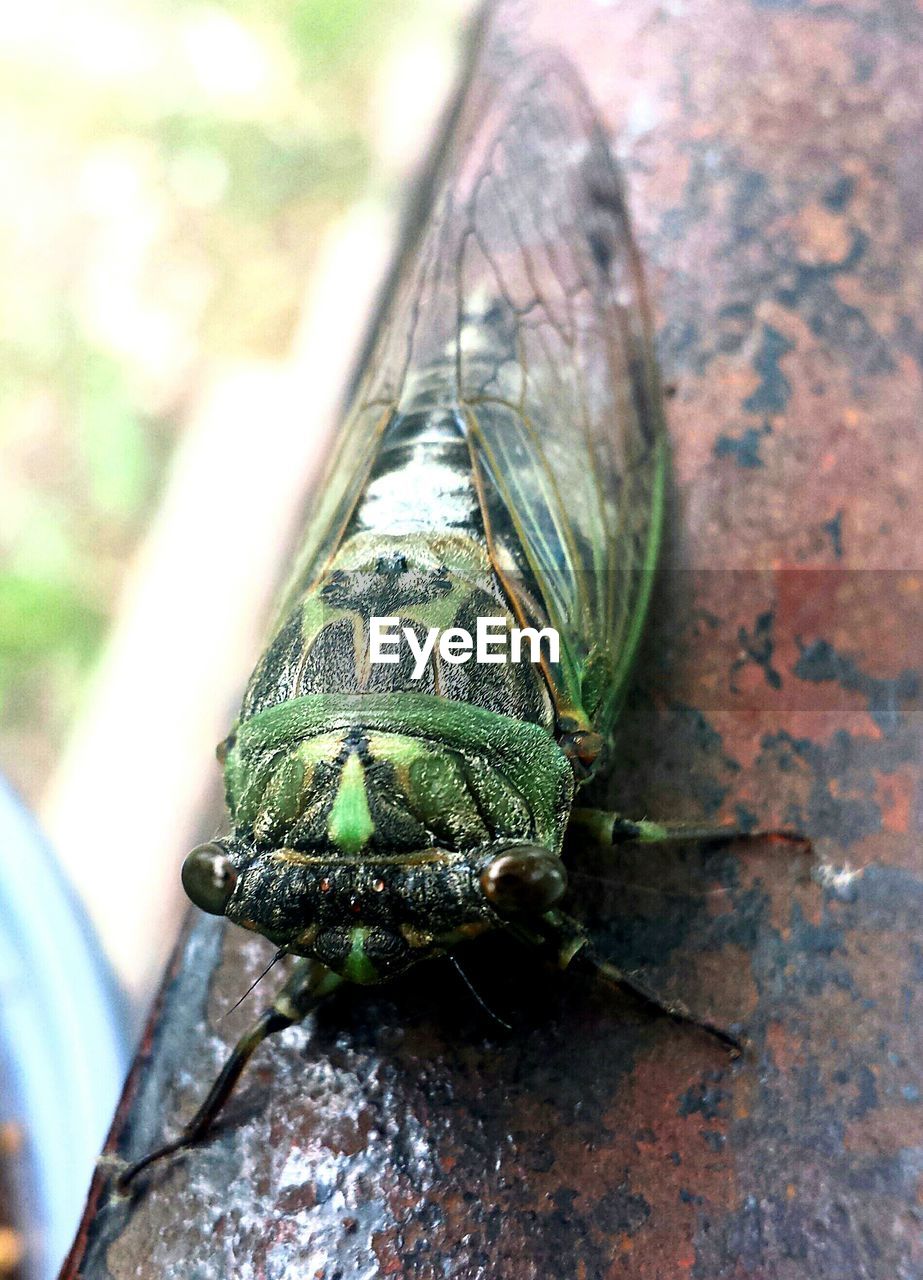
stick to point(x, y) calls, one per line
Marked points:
point(575, 951)
point(604, 827)
point(609, 829)
point(309, 983)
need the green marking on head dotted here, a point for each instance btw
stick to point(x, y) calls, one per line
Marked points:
point(350, 824)
point(358, 967)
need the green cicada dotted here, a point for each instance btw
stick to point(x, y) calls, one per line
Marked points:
point(504, 458)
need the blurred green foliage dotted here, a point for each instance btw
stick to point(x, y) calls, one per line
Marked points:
point(174, 164)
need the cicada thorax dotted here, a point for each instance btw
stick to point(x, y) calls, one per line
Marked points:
point(421, 581)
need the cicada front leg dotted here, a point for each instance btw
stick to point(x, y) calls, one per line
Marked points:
point(573, 950)
point(607, 829)
point(309, 983)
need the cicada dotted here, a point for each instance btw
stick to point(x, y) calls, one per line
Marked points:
point(504, 456)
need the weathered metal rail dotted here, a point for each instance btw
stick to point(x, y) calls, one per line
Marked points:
point(773, 160)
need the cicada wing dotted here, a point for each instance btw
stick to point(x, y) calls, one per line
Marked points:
point(413, 351)
point(336, 496)
point(522, 307)
point(556, 371)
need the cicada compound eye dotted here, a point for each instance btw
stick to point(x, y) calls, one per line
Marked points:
point(209, 877)
point(524, 880)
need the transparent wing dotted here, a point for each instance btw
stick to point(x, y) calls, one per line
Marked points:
point(556, 370)
point(523, 307)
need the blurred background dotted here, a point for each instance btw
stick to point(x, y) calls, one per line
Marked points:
point(199, 202)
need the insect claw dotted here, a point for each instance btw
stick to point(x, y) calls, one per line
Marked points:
point(131, 1171)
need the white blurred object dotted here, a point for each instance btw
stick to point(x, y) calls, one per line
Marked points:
point(62, 1035)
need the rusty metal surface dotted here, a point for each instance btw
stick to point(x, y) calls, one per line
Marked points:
point(773, 157)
